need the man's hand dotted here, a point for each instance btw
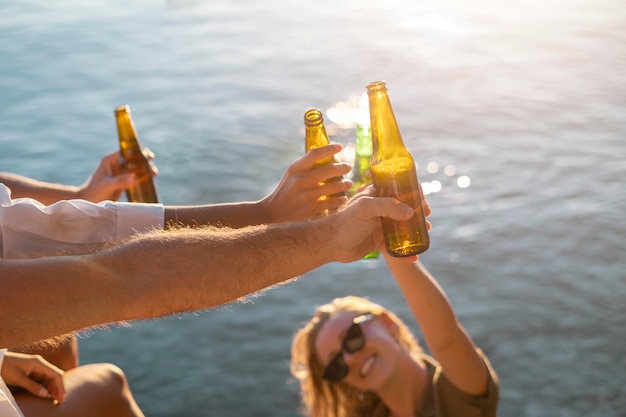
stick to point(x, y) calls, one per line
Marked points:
point(297, 195)
point(106, 182)
point(357, 225)
point(390, 259)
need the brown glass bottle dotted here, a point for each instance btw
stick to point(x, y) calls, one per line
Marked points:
point(132, 159)
point(394, 175)
point(315, 136)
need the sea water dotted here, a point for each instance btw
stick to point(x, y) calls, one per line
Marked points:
point(514, 111)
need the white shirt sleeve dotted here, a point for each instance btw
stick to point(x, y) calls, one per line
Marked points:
point(8, 407)
point(30, 229)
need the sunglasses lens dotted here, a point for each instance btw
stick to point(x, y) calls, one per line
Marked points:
point(354, 340)
point(336, 369)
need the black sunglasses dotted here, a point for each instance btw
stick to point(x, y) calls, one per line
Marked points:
point(337, 369)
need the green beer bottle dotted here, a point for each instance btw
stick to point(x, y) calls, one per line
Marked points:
point(363, 154)
point(361, 171)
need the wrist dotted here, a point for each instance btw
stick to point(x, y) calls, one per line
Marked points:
point(262, 208)
point(332, 243)
point(79, 192)
point(319, 239)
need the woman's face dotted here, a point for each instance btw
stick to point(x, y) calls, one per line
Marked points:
point(371, 366)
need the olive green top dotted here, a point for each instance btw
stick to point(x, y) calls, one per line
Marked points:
point(443, 399)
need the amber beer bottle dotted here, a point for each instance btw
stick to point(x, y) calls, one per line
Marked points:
point(132, 159)
point(394, 175)
point(315, 136)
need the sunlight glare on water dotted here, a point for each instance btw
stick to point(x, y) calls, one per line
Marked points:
point(512, 110)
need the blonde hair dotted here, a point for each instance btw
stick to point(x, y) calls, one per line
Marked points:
point(322, 398)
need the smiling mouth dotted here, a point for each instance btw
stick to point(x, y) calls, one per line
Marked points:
point(367, 366)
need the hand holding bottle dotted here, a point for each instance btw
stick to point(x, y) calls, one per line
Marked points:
point(413, 258)
point(354, 229)
point(394, 175)
point(133, 160)
point(315, 137)
point(298, 194)
point(106, 182)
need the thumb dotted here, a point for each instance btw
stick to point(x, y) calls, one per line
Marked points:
point(122, 181)
point(309, 159)
point(389, 207)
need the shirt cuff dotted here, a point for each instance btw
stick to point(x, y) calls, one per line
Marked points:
point(134, 218)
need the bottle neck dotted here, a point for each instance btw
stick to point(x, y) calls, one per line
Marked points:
point(386, 139)
point(315, 132)
point(129, 144)
point(313, 118)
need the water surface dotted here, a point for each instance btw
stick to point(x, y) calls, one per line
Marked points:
point(523, 100)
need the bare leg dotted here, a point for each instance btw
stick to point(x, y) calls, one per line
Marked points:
point(98, 390)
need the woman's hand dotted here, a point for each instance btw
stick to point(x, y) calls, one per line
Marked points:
point(34, 374)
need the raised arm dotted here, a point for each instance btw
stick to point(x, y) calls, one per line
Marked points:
point(447, 339)
point(296, 197)
point(175, 271)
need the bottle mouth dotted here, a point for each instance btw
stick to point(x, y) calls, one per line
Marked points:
point(125, 108)
point(313, 117)
point(376, 86)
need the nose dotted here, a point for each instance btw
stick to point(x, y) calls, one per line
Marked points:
point(349, 358)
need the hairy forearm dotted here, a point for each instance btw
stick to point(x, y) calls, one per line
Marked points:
point(233, 215)
point(45, 192)
point(151, 276)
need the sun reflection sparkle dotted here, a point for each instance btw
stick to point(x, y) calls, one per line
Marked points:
point(344, 116)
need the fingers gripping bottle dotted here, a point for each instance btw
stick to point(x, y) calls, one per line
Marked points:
point(315, 136)
point(132, 159)
point(394, 175)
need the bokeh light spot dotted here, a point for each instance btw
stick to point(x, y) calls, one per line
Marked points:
point(432, 167)
point(463, 181)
